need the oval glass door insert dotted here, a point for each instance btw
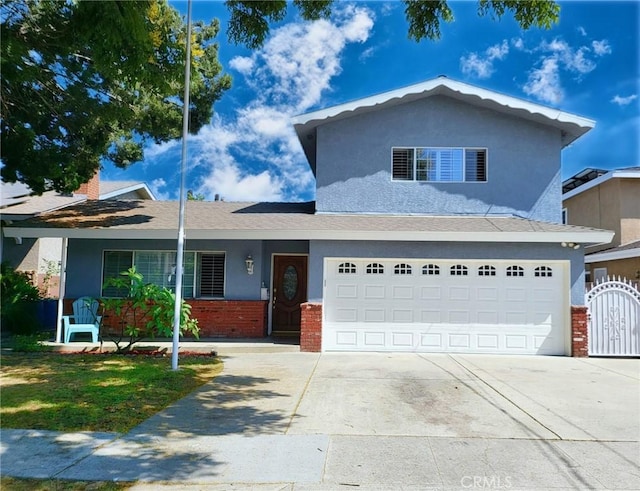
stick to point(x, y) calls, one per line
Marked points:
point(290, 282)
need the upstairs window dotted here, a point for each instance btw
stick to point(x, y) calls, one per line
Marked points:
point(435, 164)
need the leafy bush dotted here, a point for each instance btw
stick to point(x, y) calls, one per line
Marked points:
point(146, 311)
point(17, 297)
point(31, 343)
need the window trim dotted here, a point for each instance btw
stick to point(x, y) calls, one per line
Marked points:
point(414, 172)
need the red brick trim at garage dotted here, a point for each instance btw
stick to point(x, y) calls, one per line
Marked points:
point(579, 331)
point(311, 327)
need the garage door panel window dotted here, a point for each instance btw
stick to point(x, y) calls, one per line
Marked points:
point(347, 268)
point(431, 269)
point(459, 270)
point(402, 269)
point(543, 272)
point(486, 270)
point(515, 271)
point(375, 268)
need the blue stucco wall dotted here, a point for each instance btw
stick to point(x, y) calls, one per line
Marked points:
point(523, 162)
point(319, 250)
point(84, 264)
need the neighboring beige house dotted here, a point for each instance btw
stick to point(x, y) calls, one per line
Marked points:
point(41, 257)
point(608, 199)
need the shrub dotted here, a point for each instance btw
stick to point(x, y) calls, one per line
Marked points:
point(147, 311)
point(31, 343)
point(17, 297)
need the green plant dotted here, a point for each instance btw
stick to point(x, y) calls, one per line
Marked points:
point(17, 297)
point(29, 343)
point(146, 311)
point(51, 269)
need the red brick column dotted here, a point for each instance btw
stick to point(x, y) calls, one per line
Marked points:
point(91, 188)
point(311, 327)
point(579, 331)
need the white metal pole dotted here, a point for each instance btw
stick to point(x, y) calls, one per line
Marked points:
point(183, 172)
point(62, 286)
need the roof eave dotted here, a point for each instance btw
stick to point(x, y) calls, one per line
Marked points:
point(577, 237)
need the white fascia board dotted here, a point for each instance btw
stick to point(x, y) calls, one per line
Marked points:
point(431, 85)
point(611, 256)
point(128, 189)
point(599, 180)
point(587, 237)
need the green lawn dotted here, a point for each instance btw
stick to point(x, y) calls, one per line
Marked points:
point(93, 392)
point(15, 484)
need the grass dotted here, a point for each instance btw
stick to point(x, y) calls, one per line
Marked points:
point(20, 484)
point(90, 392)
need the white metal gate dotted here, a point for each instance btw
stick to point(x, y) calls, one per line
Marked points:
point(614, 318)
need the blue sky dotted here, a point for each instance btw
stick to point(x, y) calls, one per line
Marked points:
point(587, 65)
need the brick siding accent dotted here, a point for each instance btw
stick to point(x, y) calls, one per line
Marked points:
point(216, 318)
point(230, 318)
point(579, 331)
point(311, 327)
point(91, 188)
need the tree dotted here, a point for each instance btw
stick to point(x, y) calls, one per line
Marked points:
point(249, 21)
point(145, 311)
point(86, 82)
point(191, 196)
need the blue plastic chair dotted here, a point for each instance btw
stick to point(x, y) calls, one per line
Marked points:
point(85, 319)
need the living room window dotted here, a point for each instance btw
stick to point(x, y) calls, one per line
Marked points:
point(439, 164)
point(203, 272)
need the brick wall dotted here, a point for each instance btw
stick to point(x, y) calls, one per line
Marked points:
point(216, 318)
point(311, 327)
point(91, 188)
point(579, 331)
point(231, 318)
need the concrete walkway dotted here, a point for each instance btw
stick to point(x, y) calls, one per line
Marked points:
point(307, 421)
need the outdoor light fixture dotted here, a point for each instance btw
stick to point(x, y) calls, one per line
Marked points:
point(571, 245)
point(249, 264)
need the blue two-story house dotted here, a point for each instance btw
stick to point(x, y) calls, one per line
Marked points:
point(436, 228)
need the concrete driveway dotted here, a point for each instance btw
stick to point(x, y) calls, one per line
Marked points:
point(383, 421)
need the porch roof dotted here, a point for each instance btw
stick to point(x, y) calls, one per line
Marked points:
point(146, 219)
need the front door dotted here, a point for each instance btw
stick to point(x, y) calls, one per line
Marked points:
point(289, 291)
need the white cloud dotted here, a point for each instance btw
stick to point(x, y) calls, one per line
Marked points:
point(255, 156)
point(518, 43)
point(582, 30)
point(544, 82)
point(624, 101)
point(156, 185)
point(481, 66)
point(367, 53)
point(236, 186)
point(601, 47)
point(243, 64)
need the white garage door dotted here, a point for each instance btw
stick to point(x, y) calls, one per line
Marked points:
point(467, 306)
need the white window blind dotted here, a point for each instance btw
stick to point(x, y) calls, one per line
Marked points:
point(439, 164)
